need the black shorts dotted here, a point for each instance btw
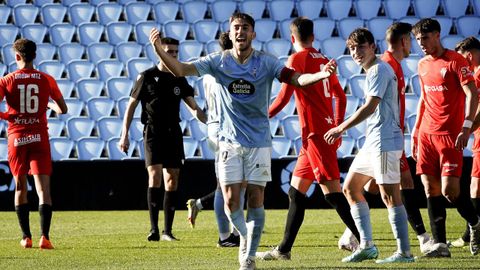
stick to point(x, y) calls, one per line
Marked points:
point(163, 146)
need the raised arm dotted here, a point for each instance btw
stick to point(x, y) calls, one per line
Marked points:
point(306, 79)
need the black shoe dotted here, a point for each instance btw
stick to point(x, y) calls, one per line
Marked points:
point(168, 236)
point(153, 236)
point(231, 241)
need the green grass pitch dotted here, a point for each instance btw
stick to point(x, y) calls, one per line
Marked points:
point(117, 240)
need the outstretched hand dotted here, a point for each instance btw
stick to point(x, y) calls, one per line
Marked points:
point(154, 36)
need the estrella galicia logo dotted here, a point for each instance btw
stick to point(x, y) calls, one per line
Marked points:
point(241, 88)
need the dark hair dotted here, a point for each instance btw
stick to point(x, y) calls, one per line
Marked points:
point(243, 16)
point(468, 44)
point(225, 41)
point(397, 30)
point(26, 48)
point(169, 41)
point(427, 25)
point(360, 36)
point(302, 28)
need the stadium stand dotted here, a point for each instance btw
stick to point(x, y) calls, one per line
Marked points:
point(194, 10)
point(90, 148)
point(254, 8)
point(396, 9)
point(35, 32)
point(80, 13)
point(90, 33)
point(88, 88)
point(70, 51)
point(118, 87)
point(108, 12)
point(99, 51)
point(24, 13)
point(61, 148)
point(338, 9)
point(367, 9)
point(5, 12)
point(221, 10)
point(99, 107)
point(309, 8)
point(281, 9)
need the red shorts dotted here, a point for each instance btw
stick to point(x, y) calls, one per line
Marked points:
point(29, 153)
point(437, 155)
point(404, 163)
point(317, 160)
point(476, 156)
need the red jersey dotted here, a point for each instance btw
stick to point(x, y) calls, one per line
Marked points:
point(27, 92)
point(397, 68)
point(314, 103)
point(441, 81)
point(476, 142)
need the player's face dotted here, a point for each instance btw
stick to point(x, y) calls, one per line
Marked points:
point(428, 42)
point(363, 53)
point(473, 57)
point(241, 34)
point(172, 50)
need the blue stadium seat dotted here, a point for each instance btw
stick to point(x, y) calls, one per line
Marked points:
point(265, 29)
point(212, 46)
point(274, 125)
point(109, 68)
point(468, 25)
point(8, 55)
point(410, 121)
point(358, 131)
point(409, 19)
point(445, 24)
point(53, 13)
point(425, 8)
point(347, 67)
point(66, 87)
point(12, 67)
point(288, 110)
point(410, 65)
point(35, 32)
point(55, 127)
point(278, 47)
point(109, 12)
point(141, 149)
point(338, 9)
point(396, 9)
point(79, 69)
point(355, 84)
point(5, 12)
point(99, 107)
point(254, 8)
point(223, 9)
point(24, 13)
point(12, 3)
point(70, 51)
point(190, 147)
point(97, 2)
point(194, 11)
point(128, 50)
point(323, 28)
point(52, 67)
point(407, 146)
point(165, 11)
point(185, 113)
point(136, 129)
point(205, 30)
point(367, 9)
point(150, 53)
point(450, 41)
point(276, 87)
point(257, 45)
point(61, 33)
point(125, 2)
point(310, 8)
point(281, 9)
point(207, 153)
point(281, 147)
point(378, 27)
point(291, 127)
point(99, 51)
point(176, 29)
point(455, 9)
point(352, 105)
point(80, 13)
point(476, 7)
point(346, 148)
point(411, 102)
point(3, 69)
point(467, 151)
point(79, 127)
point(88, 88)
point(122, 106)
point(347, 25)
point(297, 144)
point(90, 148)
point(119, 87)
point(137, 12)
point(109, 127)
point(61, 148)
point(284, 28)
point(114, 152)
point(118, 32)
point(189, 49)
point(415, 85)
point(75, 108)
point(334, 47)
point(142, 31)
point(68, 3)
point(90, 32)
point(137, 65)
point(198, 129)
point(41, 3)
point(8, 34)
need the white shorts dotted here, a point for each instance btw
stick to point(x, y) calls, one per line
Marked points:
point(383, 166)
point(237, 163)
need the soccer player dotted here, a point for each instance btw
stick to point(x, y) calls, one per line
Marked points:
point(27, 92)
point(379, 158)
point(317, 160)
point(246, 76)
point(446, 109)
point(470, 49)
point(226, 237)
point(160, 94)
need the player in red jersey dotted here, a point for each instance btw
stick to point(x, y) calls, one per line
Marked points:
point(317, 160)
point(470, 49)
point(27, 92)
point(447, 100)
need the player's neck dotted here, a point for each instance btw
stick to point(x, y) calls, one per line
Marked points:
point(370, 63)
point(242, 56)
point(438, 52)
point(397, 54)
point(162, 67)
point(22, 65)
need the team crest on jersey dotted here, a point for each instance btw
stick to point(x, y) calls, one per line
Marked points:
point(176, 90)
point(443, 71)
point(241, 88)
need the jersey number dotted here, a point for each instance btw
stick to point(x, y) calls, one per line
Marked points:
point(28, 98)
point(326, 84)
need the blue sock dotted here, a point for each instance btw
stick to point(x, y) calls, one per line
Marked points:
point(398, 220)
point(361, 215)
point(222, 219)
point(255, 223)
point(238, 221)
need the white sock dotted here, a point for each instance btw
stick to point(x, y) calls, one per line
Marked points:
point(199, 204)
point(223, 236)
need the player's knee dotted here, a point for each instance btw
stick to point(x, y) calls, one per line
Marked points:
point(450, 194)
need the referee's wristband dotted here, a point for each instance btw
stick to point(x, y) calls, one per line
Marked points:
point(467, 123)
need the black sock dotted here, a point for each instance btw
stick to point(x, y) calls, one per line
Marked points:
point(465, 209)
point(207, 200)
point(45, 211)
point(476, 205)
point(169, 201)
point(153, 200)
point(23, 214)
point(338, 201)
point(296, 213)
point(372, 199)
point(437, 215)
point(410, 201)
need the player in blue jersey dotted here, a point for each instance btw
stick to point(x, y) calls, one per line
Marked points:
point(246, 76)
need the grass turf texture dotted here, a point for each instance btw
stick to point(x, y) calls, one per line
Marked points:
point(117, 240)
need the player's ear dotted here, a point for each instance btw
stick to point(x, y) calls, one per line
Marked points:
point(254, 35)
point(292, 38)
point(18, 57)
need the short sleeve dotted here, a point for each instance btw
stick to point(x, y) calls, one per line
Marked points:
point(377, 82)
point(138, 86)
point(187, 90)
point(462, 69)
point(204, 64)
point(55, 92)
